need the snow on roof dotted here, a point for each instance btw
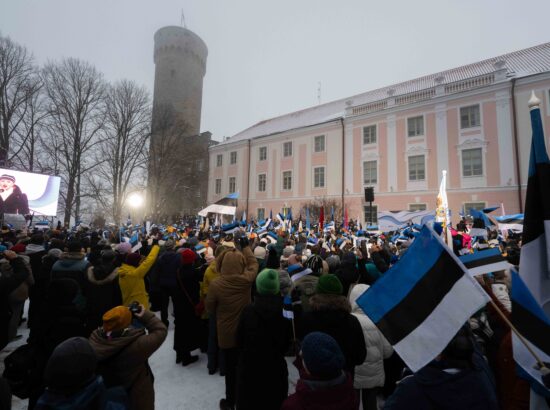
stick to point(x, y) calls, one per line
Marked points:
point(519, 63)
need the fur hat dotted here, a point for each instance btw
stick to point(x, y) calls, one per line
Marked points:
point(267, 282)
point(329, 284)
point(322, 356)
point(118, 318)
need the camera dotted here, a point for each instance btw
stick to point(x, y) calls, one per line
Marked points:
point(134, 308)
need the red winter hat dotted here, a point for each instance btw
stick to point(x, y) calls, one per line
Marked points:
point(19, 248)
point(188, 257)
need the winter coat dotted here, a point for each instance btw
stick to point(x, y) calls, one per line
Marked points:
point(188, 330)
point(16, 203)
point(305, 282)
point(123, 360)
point(18, 274)
point(102, 294)
point(371, 372)
point(37, 290)
point(210, 274)
point(330, 314)
point(229, 294)
point(262, 338)
point(21, 293)
point(337, 394)
point(348, 272)
point(131, 280)
point(167, 268)
point(434, 388)
point(71, 265)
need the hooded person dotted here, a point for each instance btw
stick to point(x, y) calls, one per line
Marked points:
point(369, 376)
point(458, 378)
point(324, 384)
point(331, 314)
point(70, 386)
point(263, 337)
point(227, 297)
point(304, 279)
point(260, 254)
point(348, 272)
point(72, 264)
point(123, 351)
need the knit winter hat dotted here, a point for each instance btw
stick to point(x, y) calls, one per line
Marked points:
point(132, 259)
point(117, 318)
point(267, 282)
point(259, 252)
point(322, 356)
point(124, 247)
point(329, 284)
point(188, 257)
point(71, 366)
point(169, 244)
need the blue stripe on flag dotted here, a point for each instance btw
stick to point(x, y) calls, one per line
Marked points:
point(480, 255)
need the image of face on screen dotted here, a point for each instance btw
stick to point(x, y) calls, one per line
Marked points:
point(12, 199)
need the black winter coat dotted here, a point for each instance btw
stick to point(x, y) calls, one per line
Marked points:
point(8, 284)
point(102, 294)
point(16, 203)
point(348, 272)
point(188, 327)
point(263, 338)
point(330, 314)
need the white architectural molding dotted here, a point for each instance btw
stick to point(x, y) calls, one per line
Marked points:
point(392, 153)
point(442, 143)
point(348, 156)
point(505, 138)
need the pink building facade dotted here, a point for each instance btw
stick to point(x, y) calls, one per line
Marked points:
point(472, 121)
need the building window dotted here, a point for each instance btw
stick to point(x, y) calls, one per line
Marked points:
point(319, 177)
point(415, 126)
point(369, 135)
point(370, 172)
point(478, 206)
point(417, 207)
point(262, 153)
point(287, 149)
point(261, 182)
point(472, 162)
point(232, 184)
point(287, 180)
point(319, 143)
point(233, 157)
point(470, 117)
point(218, 186)
point(417, 168)
point(219, 160)
point(371, 214)
point(261, 213)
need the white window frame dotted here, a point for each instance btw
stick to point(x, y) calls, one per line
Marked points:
point(218, 186)
point(369, 183)
point(287, 144)
point(409, 168)
point(232, 157)
point(416, 204)
point(234, 184)
point(323, 185)
point(375, 208)
point(265, 182)
point(423, 126)
point(460, 116)
point(283, 180)
point(462, 163)
point(375, 126)
point(479, 208)
point(260, 153)
point(219, 160)
point(315, 140)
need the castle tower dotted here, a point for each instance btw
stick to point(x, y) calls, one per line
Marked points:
point(178, 157)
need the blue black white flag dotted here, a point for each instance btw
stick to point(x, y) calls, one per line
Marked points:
point(423, 300)
point(490, 260)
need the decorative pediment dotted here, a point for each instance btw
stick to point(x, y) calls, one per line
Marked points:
point(472, 143)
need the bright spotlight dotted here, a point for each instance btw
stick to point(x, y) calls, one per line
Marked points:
point(135, 200)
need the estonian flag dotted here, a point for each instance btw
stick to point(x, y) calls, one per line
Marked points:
point(423, 300)
point(535, 253)
point(531, 322)
point(225, 206)
point(490, 260)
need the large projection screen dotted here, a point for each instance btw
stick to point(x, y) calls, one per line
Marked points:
point(28, 193)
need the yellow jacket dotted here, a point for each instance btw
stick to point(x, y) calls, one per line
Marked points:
point(209, 275)
point(131, 282)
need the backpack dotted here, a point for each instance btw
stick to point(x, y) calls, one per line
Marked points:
point(18, 368)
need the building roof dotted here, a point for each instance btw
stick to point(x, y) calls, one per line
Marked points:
point(518, 64)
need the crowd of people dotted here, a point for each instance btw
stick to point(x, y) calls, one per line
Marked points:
point(100, 306)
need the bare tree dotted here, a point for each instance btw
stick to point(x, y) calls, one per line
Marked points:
point(327, 204)
point(19, 85)
point(122, 155)
point(75, 93)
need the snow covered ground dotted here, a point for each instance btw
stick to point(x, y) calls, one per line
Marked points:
point(176, 387)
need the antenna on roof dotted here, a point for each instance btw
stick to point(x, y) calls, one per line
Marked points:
point(182, 22)
point(319, 92)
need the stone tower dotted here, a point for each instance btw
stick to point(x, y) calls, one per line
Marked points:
point(178, 163)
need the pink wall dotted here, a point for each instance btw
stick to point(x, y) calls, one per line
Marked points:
point(431, 159)
point(401, 131)
point(301, 181)
point(452, 138)
point(357, 165)
point(490, 131)
point(383, 160)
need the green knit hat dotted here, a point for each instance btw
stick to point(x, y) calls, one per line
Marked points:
point(329, 284)
point(267, 282)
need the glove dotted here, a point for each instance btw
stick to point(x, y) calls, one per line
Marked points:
point(244, 242)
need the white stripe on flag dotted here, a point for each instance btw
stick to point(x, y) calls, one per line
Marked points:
point(492, 267)
point(430, 338)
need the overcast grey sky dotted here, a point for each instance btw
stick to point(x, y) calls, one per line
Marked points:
point(266, 57)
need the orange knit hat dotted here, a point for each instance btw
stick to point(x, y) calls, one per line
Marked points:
point(117, 318)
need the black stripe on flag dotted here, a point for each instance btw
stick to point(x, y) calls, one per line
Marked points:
point(484, 261)
point(421, 301)
point(531, 327)
point(537, 203)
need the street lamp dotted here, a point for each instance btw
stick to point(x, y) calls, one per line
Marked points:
point(135, 200)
